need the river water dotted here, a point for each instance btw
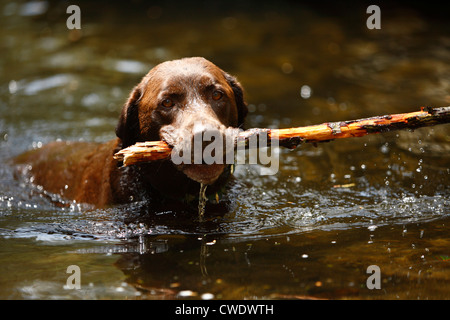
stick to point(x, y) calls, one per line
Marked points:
point(309, 231)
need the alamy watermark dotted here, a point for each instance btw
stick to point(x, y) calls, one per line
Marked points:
point(374, 280)
point(214, 147)
point(74, 280)
point(74, 20)
point(374, 20)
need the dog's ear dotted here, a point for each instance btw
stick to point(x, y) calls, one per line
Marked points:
point(239, 97)
point(128, 127)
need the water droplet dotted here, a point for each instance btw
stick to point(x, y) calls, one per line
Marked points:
point(384, 148)
point(207, 296)
point(12, 87)
point(186, 293)
point(305, 92)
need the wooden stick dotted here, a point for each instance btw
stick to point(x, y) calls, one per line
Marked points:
point(144, 152)
point(292, 137)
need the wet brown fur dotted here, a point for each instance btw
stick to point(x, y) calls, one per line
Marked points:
point(87, 173)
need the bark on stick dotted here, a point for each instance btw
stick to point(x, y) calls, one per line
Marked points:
point(292, 137)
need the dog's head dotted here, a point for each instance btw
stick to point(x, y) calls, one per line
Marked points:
point(179, 100)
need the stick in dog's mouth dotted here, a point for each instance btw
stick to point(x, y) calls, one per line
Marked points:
point(205, 157)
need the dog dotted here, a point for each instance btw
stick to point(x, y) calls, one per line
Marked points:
point(175, 101)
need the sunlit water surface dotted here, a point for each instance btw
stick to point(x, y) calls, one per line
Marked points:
point(311, 230)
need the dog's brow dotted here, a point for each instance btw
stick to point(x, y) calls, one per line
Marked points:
point(172, 90)
point(206, 81)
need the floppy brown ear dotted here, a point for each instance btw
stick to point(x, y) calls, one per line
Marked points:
point(128, 127)
point(239, 97)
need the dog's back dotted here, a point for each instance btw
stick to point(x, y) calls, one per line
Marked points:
point(80, 171)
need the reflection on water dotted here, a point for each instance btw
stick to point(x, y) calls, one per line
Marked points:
point(311, 230)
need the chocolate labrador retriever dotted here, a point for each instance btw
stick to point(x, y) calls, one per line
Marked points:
point(175, 101)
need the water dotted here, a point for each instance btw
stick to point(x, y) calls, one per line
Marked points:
point(202, 201)
point(311, 230)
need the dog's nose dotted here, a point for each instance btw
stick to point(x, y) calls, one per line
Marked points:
point(204, 135)
point(205, 132)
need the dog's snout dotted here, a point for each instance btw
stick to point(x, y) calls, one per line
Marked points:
point(206, 132)
point(169, 134)
point(204, 135)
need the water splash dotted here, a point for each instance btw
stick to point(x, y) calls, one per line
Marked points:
point(202, 201)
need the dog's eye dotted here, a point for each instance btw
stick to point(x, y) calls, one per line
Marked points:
point(168, 103)
point(217, 95)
